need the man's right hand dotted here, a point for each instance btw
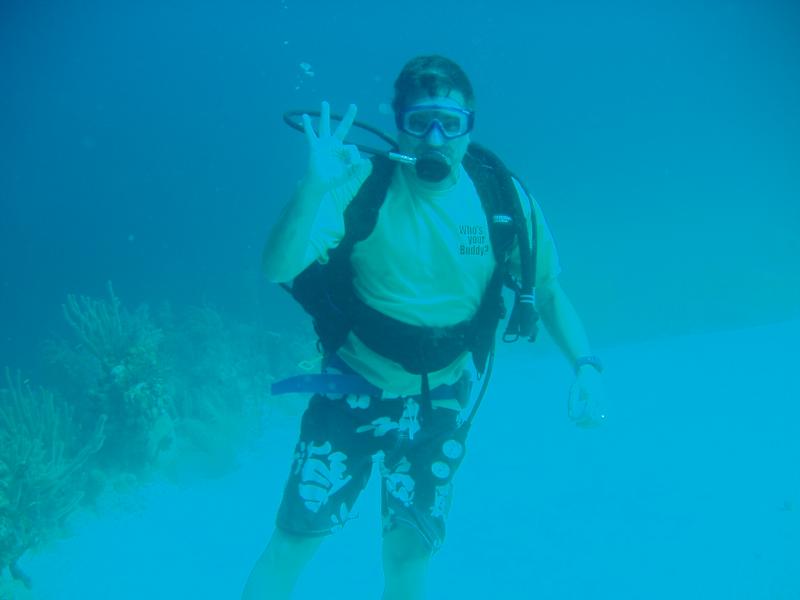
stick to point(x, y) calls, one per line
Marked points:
point(333, 166)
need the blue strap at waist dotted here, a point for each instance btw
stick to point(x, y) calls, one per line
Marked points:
point(347, 383)
point(326, 383)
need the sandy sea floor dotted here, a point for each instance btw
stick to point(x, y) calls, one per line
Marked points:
point(690, 490)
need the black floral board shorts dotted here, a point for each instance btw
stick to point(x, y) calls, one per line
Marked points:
point(333, 460)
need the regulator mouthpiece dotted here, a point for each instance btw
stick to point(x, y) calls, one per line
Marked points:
point(433, 166)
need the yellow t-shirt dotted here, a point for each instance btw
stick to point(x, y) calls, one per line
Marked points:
point(427, 262)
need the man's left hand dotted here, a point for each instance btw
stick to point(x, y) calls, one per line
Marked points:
point(586, 398)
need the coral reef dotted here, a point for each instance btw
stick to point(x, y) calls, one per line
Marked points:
point(129, 384)
point(138, 395)
point(195, 382)
point(43, 454)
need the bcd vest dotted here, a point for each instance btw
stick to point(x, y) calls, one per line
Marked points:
point(326, 291)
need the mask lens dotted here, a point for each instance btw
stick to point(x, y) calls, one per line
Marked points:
point(419, 121)
point(453, 122)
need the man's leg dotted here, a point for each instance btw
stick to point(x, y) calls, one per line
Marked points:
point(331, 466)
point(275, 573)
point(416, 496)
point(405, 564)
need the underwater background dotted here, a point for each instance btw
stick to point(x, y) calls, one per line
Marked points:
point(142, 162)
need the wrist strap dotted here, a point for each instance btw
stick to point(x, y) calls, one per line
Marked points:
point(592, 360)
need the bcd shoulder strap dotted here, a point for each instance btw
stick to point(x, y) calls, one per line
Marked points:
point(507, 224)
point(325, 291)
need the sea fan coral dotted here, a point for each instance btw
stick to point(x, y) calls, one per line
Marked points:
point(42, 459)
point(131, 387)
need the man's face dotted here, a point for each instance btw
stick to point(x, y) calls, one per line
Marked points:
point(434, 139)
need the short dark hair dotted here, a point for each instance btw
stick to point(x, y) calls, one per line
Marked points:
point(433, 74)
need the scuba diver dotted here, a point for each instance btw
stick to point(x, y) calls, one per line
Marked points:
point(401, 260)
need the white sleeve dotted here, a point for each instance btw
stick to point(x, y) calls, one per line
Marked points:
point(327, 231)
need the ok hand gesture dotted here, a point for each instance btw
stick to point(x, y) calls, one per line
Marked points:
point(334, 166)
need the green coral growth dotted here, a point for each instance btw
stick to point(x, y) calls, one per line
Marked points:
point(130, 383)
point(42, 467)
point(139, 395)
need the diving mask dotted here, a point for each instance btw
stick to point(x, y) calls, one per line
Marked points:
point(419, 119)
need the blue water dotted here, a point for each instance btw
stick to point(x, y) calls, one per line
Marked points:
point(141, 143)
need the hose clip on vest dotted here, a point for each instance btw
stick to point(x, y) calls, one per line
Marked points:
point(523, 320)
point(528, 298)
